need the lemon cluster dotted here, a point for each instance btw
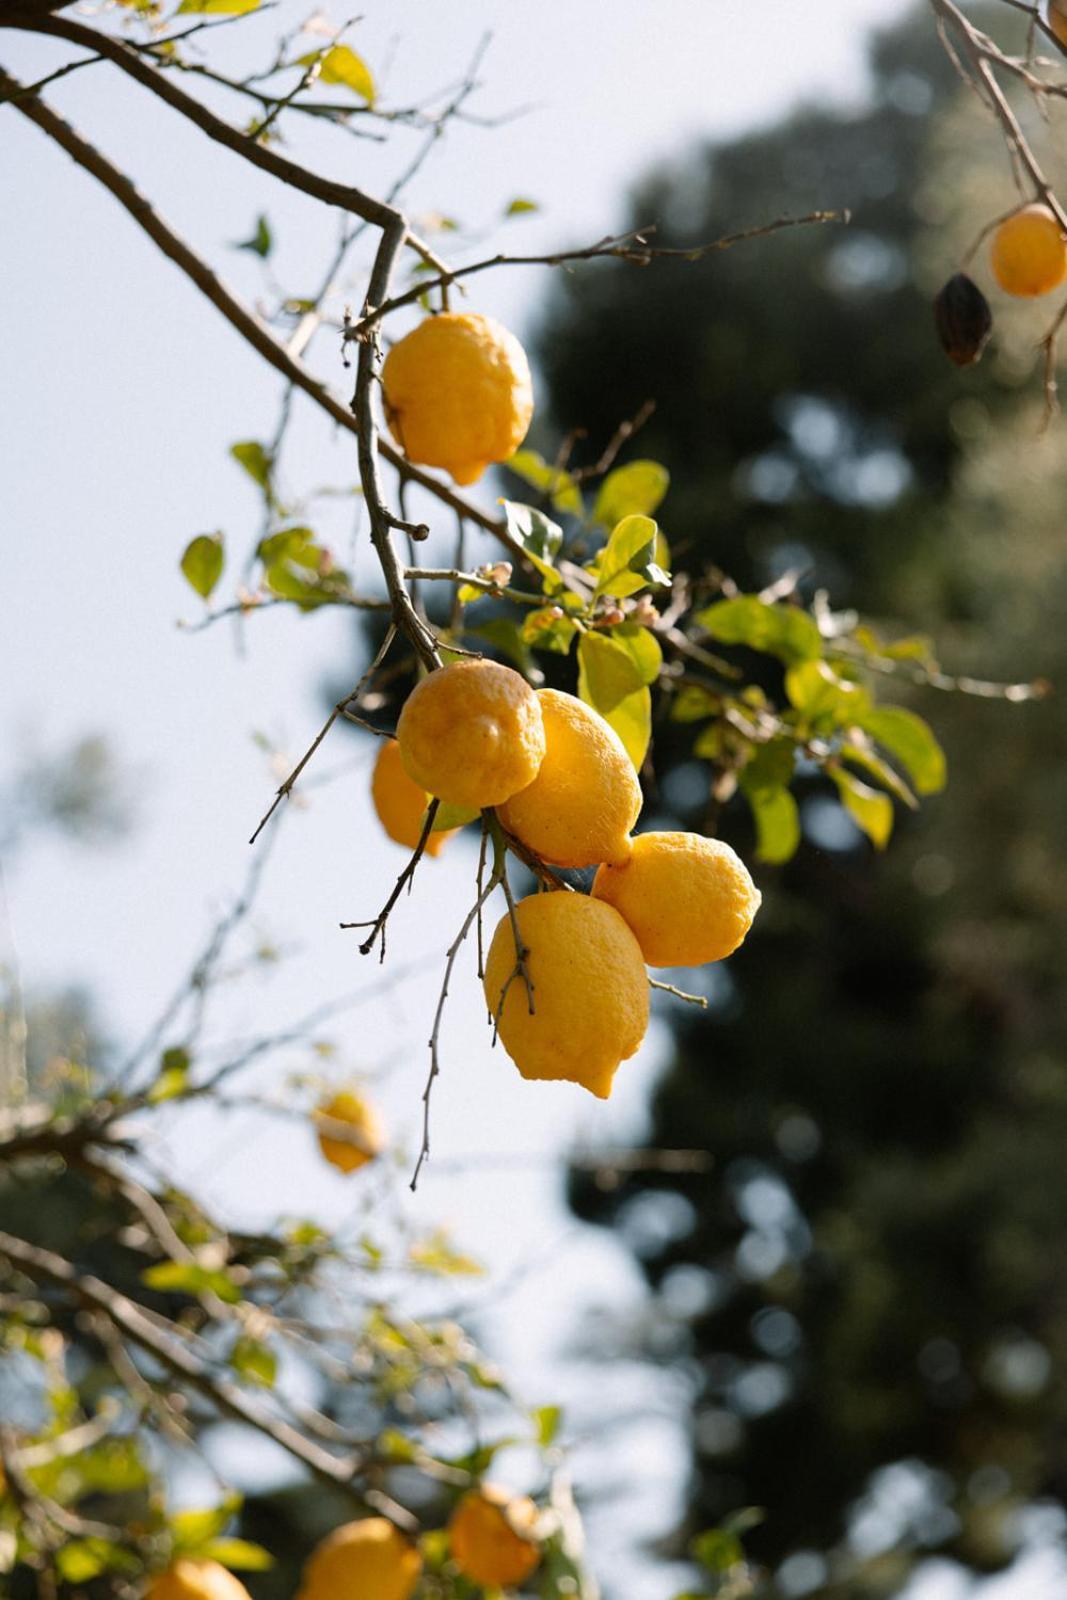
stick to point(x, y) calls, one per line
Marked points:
point(573, 1004)
point(493, 1541)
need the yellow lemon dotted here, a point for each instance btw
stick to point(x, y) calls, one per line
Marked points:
point(492, 1537)
point(590, 990)
point(190, 1578)
point(1029, 252)
point(344, 1149)
point(586, 796)
point(687, 899)
point(472, 734)
point(400, 803)
point(458, 394)
point(367, 1560)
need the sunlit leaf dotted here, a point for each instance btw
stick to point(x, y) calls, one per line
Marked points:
point(610, 682)
point(202, 562)
point(643, 648)
point(911, 741)
point(189, 1277)
point(637, 488)
point(869, 808)
point(717, 1549)
point(627, 562)
point(449, 816)
point(172, 1077)
point(540, 537)
point(543, 630)
point(532, 468)
point(436, 1253)
point(255, 1362)
point(520, 207)
point(341, 65)
point(777, 821)
point(191, 1530)
point(240, 1554)
point(693, 703)
point(777, 630)
point(873, 765)
point(816, 691)
point(547, 1420)
point(217, 8)
point(255, 460)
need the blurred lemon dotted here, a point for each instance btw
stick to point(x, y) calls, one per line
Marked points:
point(590, 990)
point(192, 1578)
point(351, 1132)
point(472, 734)
point(458, 394)
point(687, 899)
point(586, 797)
point(491, 1536)
point(400, 803)
point(366, 1560)
point(1029, 252)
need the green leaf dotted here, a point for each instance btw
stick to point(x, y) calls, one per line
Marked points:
point(202, 562)
point(435, 1253)
point(396, 1446)
point(254, 1361)
point(520, 207)
point(607, 672)
point(532, 468)
point(627, 562)
point(693, 703)
point(816, 691)
point(342, 65)
point(261, 242)
point(217, 8)
point(191, 1530)
point(189, 1277)
point(255, 460)
point(911, 741)
point(172, 1076)
point(643, 648)
point(505, 635)
point(637, 488)
point(546, 1421)
point(778, 630)
point(717, 1550)
point(609, 681)
point(777, 822)
point(873, 765)
point(540, 537)
point(239, 1554)
point(869, 808)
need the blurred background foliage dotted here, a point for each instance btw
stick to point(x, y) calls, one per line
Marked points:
point(868, 1288)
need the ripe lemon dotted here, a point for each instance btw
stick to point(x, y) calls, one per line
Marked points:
point(367, 1560)
point(400, 803)
point(1057, 20)
point(491, 1535)
point(366, 1139)
point(190, 1578)
point(590, 990)
point(472, 734)
point(458, 394)
point(586, 797)
point(687, 899)
point(1029, 252)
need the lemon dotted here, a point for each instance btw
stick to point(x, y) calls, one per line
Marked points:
point(590, 990)
point(400, 803)
point(458, 394)
point(491, 1536)
point(190, 1578)
point(1029, 252)
point(472, 734)
point(1057, 20)
point(586, 796)
point(687, 899)
point(367, 1136)
point(366, 1560)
